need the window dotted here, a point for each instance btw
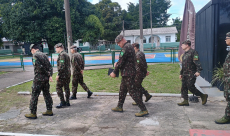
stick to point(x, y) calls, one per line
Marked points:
point(168, 38)
point(144, 40)
point(129, 41)
point(7, 47)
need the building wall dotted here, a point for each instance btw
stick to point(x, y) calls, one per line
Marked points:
point(162, 37)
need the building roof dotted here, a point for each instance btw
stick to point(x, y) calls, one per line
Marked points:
point(155, 31)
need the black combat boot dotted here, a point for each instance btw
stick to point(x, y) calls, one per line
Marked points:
point(89, 94)
point(61, 105)
point(73, 97)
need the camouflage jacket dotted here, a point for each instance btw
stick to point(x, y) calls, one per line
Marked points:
point(63, 65)
point(190, 63)
point(127, 61)
point(226, 68)
point(42, 67)
point(77, 63)
point(141, 65)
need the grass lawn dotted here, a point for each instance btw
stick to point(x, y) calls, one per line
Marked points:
point(163, 78)
point(2, 72)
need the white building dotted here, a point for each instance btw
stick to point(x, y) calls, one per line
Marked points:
point(159, 35)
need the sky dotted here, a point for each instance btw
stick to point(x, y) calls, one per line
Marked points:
point(176, 9)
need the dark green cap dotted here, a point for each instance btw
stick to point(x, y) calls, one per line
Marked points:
point(31, 46)
point(228, 34)
point(58, 45)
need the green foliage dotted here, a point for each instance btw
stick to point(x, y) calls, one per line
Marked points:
point(159, 14)
point(177, 22)
point(111, 18)
point(34, 20)
point(94, 29)
point(218, 75)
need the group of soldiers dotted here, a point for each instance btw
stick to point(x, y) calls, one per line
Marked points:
point(43, 72)
point(133, 67)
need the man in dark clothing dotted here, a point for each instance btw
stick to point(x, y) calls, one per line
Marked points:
point(78, 67)
point(226, 66)
point(126, 64)
point(141, 72)
point(191, 69)
point(43, 72)
point(63, 76)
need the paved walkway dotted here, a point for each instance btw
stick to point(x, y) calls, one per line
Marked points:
point(88, 117)
point(93, 117)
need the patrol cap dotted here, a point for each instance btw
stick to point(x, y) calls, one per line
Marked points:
point(31, 46)
point(188, 42)
point(58, 45)
point(73, 47)
point(136, 45)
point(118, 38)
point(228, 34)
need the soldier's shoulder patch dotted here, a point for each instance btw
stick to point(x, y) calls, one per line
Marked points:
point(34, 60)
point(138, 61)
point(195, 57)
point(122, 53)
point(62, 61)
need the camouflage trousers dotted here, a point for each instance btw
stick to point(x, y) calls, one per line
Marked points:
point(227, 97)
point(78, 79)
point(128, 85)
point(63, 82)
point(36, 90)
point(138, 82)
point(188, 83)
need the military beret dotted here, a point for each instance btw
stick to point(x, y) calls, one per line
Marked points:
point(118, 38)
point(73, 47)
point(58, 45)
point(31, 46)
point(228, 34)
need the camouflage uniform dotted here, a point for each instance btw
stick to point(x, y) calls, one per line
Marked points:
point(42, 71)
point(226, 67)
point(64, 73)
point(190, 65)
point(141, 69)
point(77, 65)
point(126, 64)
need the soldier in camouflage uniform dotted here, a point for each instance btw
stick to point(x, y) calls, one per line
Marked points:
point(226, 66)
point(141, 72)
point(78, 67)
point(191, 69)
point(43, 72)
point(63, 76)
point(126, 64)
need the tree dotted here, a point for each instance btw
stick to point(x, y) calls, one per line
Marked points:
point(177, 22)
point(94, 29)
point(34, 20)
point(111, 18)
point(159, 13)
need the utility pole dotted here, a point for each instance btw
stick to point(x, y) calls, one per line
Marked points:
point(68, 25)
point(141, 24)
point(151, 24)
point(123, 28)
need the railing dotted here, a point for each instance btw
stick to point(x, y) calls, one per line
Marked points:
point(99, 58)
point(6, 65)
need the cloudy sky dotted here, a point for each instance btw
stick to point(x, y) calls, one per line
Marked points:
point(176, 9)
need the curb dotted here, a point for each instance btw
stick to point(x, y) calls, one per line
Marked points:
point(112, 94)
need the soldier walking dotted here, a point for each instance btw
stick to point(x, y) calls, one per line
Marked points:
point(226, 66)
point(141, 72)
point(63, 76)
point(78, 67)
point(43, 72)
point(126, 64)
point(191, 69)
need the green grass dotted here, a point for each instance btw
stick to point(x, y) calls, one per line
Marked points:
point(163, 78)
point(2, 72)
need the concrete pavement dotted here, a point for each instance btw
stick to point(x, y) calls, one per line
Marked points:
point(93, 117)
